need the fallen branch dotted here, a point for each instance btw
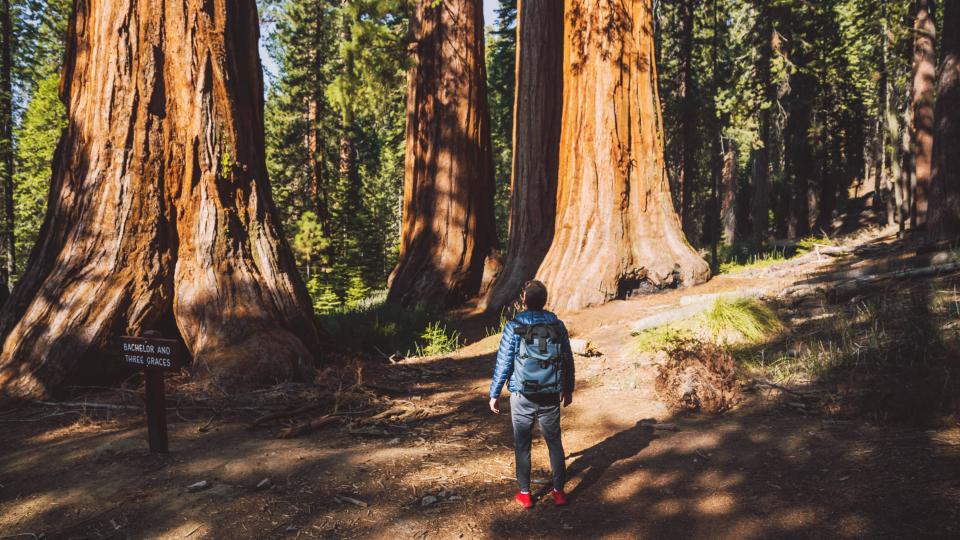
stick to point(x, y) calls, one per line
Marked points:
point(386, 389)
point(313, 425)
point(392, 411)
point(90, 405)
point(38, 419)
point(357, 502)
point(394, 358)
point(764, 382)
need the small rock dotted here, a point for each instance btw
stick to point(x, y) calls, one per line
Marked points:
point(454, 498)
point(428, 500)
point(198, 486)
point(264, 484)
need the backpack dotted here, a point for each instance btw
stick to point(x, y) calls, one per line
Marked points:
point(538, 366)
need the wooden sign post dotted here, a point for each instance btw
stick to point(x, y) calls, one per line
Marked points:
point(153, 355)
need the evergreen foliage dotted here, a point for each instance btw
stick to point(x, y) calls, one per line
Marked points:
point(501, 77)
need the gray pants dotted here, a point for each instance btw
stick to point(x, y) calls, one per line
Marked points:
point(523, 412)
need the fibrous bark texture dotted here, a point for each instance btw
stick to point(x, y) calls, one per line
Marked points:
point(944, 217)
point(924, 85)
point(616, 228)
point(729, 186)
point(448, 230)
point(159, 210)
point(538, 108)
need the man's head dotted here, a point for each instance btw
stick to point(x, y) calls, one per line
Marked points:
point(534, 295)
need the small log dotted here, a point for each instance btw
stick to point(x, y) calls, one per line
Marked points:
point(764, 382)
point(392, 411)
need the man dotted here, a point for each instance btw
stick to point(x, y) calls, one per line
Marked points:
point(535, 358)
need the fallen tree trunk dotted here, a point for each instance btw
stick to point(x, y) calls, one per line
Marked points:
point(854, 285)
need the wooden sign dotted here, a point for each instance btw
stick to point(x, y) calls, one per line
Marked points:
point(154, 355)
point(148, 352)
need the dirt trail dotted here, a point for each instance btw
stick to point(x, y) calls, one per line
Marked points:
point(761, 471)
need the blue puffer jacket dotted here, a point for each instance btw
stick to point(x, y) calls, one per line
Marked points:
point(510, 346)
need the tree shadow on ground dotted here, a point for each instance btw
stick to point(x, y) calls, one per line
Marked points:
point(592, 463)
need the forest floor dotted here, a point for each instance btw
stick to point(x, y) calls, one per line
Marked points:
point(423, 457)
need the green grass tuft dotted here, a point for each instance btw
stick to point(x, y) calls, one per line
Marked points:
point(740, 322)
point(753, 262)
point(498, 328)
point(660, 338)
point(375, 325)
point(743, 320)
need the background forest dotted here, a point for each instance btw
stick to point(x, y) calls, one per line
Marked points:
point(782, 119)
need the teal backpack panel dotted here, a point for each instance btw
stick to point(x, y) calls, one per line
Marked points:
point(538, 365)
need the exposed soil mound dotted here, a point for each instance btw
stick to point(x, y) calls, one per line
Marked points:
point(697, 375)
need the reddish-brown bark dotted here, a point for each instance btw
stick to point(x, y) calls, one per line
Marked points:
point(729, 185)
point(538, 107)
point(616, 229)
point(448, 231)
point(923, 98)
point(944, 217)
point(159, 210)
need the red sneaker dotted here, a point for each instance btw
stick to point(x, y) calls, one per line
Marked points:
point(559, 497)
point(524, 499)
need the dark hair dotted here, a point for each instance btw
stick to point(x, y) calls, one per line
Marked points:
point(535, 295)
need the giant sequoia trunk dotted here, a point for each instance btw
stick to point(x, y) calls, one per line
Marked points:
point(536, 145)
point(924, 85)
point(617, 230)
point(159, 210)
point(944, 217)
point(448, 230)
